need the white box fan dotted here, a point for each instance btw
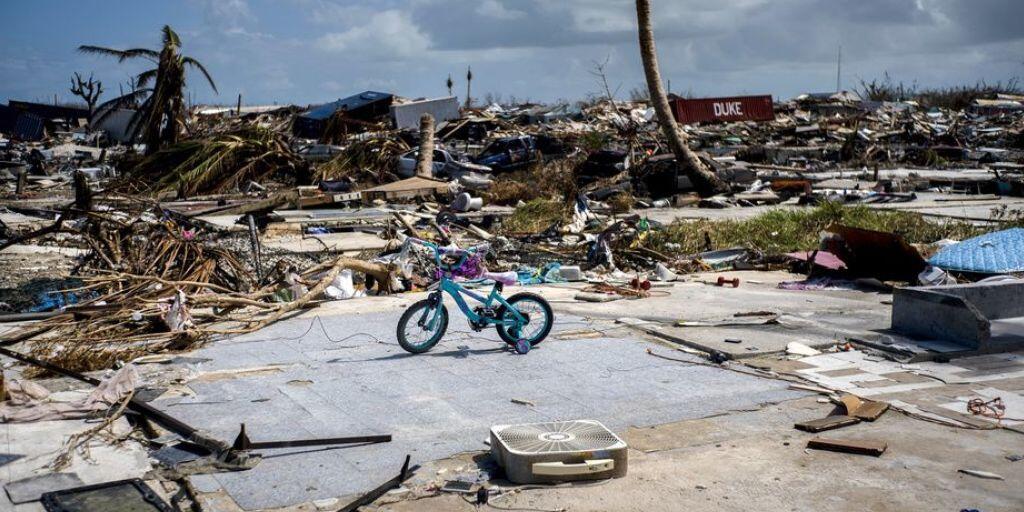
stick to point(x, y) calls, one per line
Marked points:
point(559, 451)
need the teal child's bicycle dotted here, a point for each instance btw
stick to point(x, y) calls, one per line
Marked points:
point(522, 321)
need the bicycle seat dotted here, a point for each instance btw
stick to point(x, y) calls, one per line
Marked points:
point(505, 278)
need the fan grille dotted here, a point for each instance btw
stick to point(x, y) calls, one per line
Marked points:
point(557, 437)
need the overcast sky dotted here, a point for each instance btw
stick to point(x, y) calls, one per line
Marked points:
point(312, 51)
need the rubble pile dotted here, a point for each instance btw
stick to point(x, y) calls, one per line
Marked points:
point(257, 213)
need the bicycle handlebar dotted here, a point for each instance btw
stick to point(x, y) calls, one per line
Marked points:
point(439, 250)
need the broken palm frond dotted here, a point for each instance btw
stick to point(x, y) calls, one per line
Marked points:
point(371, 161)
point(218, 163)
point(339, 126)
point(79, 442)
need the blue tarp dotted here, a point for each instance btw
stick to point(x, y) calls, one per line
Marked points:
point(995, 253)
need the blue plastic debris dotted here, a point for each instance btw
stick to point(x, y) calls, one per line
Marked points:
point(550, 273)
point(1001, 252)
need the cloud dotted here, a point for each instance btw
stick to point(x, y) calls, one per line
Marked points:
point(387, 35)
point(497, 10)
point(229, 16)
point(314, 50)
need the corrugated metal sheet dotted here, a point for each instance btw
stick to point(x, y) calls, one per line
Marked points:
point(50, 112)
point(736, 108)
point(21, 125)
point(407, 115)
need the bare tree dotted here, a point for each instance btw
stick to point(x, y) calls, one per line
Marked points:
point(425, 164)
point(89, 90)
point(469, 87)
point(598, 70)
point(450, 84)
point(705, 181)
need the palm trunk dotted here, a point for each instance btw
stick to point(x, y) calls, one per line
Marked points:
point(425, 165)
point(705, 181)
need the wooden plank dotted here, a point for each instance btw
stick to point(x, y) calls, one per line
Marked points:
point(855, 446)
point(826, 423)
point(871, 411)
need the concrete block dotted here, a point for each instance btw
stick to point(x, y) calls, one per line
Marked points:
point(962, 314)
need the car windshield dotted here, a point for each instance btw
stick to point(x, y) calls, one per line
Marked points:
point(497, 147)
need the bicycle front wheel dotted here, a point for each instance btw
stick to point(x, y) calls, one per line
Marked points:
point(422, 326)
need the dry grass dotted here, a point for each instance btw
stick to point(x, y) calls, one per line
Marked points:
point(551, 180)
point(783, 231)
point(536, 216)
point(622, 203)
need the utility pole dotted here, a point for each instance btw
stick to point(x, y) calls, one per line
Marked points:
point(469, 87)
point(839, 70)
point(238, 111)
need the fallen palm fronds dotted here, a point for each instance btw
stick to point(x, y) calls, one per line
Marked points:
point(146, 315)
point(151, 285)
point(218, 163)
point(373, 160)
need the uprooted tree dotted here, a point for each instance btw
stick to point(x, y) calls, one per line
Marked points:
point(89, 90)
point(704, 180)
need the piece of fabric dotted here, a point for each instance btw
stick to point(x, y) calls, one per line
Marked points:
point(30, 402)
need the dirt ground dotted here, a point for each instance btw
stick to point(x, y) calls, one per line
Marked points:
point(756, 460)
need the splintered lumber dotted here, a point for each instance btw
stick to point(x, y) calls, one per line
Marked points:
point(826, 423)
point(268, 204)
point(855, 446)
point(407, 224)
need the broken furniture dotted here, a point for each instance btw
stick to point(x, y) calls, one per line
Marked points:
point(984, 317)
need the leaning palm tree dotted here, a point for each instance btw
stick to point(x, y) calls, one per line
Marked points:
point(161, 115)
point(705, 181)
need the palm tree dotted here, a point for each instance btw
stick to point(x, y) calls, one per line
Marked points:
point(161, 116)
point(705, 181)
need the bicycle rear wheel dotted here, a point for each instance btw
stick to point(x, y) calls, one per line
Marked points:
point(422, 326)
point(539, 319)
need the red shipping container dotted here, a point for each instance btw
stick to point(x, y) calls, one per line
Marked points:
point(738, 108)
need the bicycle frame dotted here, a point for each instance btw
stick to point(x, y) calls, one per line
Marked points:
point(493, 299)
point(447, 285)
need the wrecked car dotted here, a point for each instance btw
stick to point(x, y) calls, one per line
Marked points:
point(448, 165)
point(510, 153)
